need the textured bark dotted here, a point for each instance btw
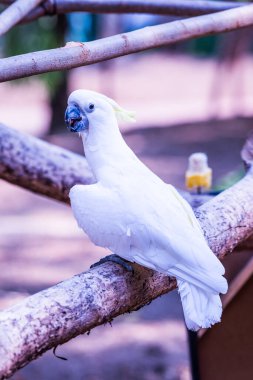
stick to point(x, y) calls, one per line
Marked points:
point(164, 7)
point(73, 307)
point(16, 12)
point(122, 44)
point(227, 219)
point(40, 167)
point(77, 305)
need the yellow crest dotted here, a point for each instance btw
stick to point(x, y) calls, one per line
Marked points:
point(124, 115)
point(121, 114)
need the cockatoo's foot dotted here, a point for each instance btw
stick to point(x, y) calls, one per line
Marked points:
point(115, 259)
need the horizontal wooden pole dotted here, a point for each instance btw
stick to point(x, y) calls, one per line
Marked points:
point(174, 8)
point(159, 7)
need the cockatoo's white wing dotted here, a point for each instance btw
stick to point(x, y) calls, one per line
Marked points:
point(99, 213)
point(210, 261)
point(175, 245)
point(159, 231)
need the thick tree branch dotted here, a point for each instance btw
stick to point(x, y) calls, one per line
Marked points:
point(227, 219)
point(40, 167)
point(100, 50)
point(165, 7)
point(73, 307)
point(77, 305)
point(15, 13)
point(46, 169)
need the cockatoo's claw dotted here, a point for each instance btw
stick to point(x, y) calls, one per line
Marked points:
point(115, 259)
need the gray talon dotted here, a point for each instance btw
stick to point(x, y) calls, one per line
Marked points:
point(115, 259)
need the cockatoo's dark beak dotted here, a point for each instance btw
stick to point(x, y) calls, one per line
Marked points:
point(76, 120)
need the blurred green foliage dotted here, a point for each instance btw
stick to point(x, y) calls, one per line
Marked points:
point(204, 46)
point(229, 179)
point(38, 35)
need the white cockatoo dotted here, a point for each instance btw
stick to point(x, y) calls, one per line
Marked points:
point(137, 216)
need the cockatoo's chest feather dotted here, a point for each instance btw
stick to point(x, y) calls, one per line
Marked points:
point(101, 213)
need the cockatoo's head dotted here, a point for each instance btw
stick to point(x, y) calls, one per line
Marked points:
point(89, 109)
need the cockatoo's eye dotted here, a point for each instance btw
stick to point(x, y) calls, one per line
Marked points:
point(91, 107)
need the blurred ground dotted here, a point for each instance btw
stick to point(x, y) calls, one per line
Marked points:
point(40, 243)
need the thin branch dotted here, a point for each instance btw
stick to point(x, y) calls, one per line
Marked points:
point(87, 300)
point(166, 7)
point(40, 167)
point(100, 50)
point(170, 7)
point(15, 13)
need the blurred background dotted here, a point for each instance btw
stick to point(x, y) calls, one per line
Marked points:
point(189, 97)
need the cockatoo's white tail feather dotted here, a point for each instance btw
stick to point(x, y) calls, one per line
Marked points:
point(209, 282)
point(201, 309)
